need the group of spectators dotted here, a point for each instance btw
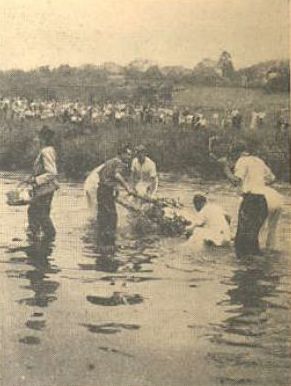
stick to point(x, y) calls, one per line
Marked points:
point(119, 113)
point(130, 114)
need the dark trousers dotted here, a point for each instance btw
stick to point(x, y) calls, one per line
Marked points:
point(106, 216)
point(39, 216)
point(253, 212)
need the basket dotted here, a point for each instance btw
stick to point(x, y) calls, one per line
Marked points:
point(19, 196)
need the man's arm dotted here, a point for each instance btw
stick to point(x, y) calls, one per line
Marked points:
point(232, 177)
point(49, 164)
point(133, 172)
point(154, 180)
point(269, 176)
point(123, 183)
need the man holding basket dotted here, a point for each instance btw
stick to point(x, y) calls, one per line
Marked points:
point(44, 184)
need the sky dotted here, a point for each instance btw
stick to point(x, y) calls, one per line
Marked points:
point(168, 32)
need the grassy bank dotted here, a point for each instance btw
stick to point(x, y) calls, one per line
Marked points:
point(83, 147)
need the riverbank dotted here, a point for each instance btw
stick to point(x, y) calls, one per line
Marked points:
point(82, 147)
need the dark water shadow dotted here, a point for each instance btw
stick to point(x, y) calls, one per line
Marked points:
point(116, 299)
point(36, 325)
point(110, 328)
point(131, 279)
point(115, 351)
point(239, 341)
point(30, 340)
point(44, 289)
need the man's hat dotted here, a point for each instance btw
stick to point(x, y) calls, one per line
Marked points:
point(124, 149)
point(140, 149)
point(46, 133)
point(238, 148)
point(200, 194)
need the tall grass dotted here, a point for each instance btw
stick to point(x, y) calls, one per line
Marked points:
point(184, 151)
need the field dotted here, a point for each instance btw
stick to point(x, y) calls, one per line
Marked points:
point(216, 99)
point(183, 150)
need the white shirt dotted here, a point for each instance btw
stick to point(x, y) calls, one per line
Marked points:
point(144, 174)
point(92, 180)
point(145, 171)
point(45, 169)
point(212, 225)
point(254, 174)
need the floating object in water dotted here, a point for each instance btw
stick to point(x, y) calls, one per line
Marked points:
point(157, 215)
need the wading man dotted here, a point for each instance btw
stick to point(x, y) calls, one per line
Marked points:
point(110, 177)
point(44, 182)
point(144, 173)
point(252, 175)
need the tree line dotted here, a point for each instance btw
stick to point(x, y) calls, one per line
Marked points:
point(141, 80)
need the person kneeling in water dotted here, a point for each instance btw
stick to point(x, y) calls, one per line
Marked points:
point(211, 225)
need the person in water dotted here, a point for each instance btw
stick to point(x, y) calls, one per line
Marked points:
point(144, 173)
point(90, 188)
point(211, 224)
point(111, 175)
point(252, 176)
point(44, 184)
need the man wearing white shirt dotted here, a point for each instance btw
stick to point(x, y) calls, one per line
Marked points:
point(252, 175)
point(211, 225)
point(144, 173)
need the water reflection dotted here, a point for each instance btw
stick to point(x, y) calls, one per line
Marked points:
point(110, 328)
point(130, 257)
point(255, 284)
point(239, 343)
point(43, 288)
point(129, 260)
point(117, 299)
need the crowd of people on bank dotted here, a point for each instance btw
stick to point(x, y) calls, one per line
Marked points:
point(136, 173)
point(129, 114)
point(115, 112)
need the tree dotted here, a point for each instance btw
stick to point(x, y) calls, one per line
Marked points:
point(225, 65)
point(277, 79)
point(153, 73)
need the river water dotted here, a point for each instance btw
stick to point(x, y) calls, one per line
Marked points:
point(157, 314)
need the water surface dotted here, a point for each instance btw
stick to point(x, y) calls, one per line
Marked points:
point(157, 314)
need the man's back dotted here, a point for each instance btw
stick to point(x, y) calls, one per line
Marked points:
point(214, 216)
point(253, 172)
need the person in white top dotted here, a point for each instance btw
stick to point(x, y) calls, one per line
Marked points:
point(252, 175)
point(211, 225)
point(144, 173)
point(90, 188)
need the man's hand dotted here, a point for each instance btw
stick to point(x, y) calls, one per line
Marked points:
point(29, 181)
point(116, 194)
point(131, 192)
